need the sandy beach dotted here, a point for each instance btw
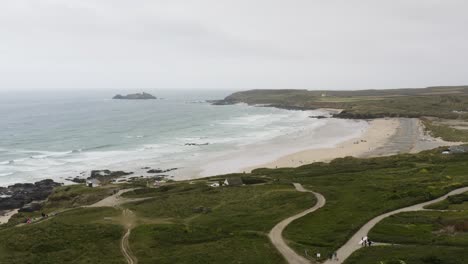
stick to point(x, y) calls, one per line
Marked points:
point(5, 216)
point(383, 137)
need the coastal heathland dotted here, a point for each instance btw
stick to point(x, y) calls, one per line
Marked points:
point(191, 222)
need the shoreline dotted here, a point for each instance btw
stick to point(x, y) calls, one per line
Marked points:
point(335, 138)
point(323, 133)
point(376, 135)
point(384, 137)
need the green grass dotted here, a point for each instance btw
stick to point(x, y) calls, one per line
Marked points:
point(194, 223)
point(418, 237)
point(455, 202)
point(63, 198)
point(433, 101)
point(233, 230)
point(357, 190)
point(424, 228)
point(412, 254)
point(75, 196)
point(200, 244)
point(446, 132)
point(77, 236)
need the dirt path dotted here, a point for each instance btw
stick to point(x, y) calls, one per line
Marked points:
point(116, 200)
point(353, 243)
point(276, 236)
point(128, 220)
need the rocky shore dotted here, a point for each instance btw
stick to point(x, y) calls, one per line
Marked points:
point(26, 196)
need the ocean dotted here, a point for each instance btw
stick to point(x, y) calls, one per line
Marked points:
point(62, 134)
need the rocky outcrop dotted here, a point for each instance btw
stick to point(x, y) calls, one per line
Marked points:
point(32, 206)
point(19, 194)
point(161, 171)
point(136, 96)
point(197, 144)
point(105, 176)
point(319, 117)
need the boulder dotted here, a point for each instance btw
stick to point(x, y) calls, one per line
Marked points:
point(32, 207)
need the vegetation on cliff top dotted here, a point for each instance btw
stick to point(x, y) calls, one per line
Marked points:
point(445, 102)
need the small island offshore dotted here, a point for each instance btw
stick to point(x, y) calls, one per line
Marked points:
point(135, 96)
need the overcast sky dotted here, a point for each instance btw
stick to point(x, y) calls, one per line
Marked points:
point(238, 44)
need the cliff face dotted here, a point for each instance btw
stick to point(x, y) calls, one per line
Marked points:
point(136, 96)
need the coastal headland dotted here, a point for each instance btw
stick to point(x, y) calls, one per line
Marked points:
point(369, 168)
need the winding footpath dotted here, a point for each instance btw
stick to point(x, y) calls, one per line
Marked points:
point(276, 236)
point(353, 243)
point(116, 200)
point(129, 221)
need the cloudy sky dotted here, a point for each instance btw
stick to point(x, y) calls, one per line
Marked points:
point(238, 44)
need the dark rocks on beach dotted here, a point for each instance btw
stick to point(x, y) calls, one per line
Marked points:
point(77, 180)
point(161, 171)
point(318, 117)
point(155, 171)
point(196, 144)
point(221, 102)
point(19, 194)
point(136, 96)
point(107, 175)
point(32, 206)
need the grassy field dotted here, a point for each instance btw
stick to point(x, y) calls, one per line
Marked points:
point(212, 225)
point(357, 190)
point(193, 223)
point(411, 254)
point(65, 197)
point(444, 102)
point(420, 237)
point(446, 132)
point(76, 236)
point(76, 195)
point(424, 228)
point(455, 202)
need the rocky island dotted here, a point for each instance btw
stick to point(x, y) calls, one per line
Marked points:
point(135, 96)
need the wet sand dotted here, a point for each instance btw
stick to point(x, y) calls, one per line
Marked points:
point(384, 137)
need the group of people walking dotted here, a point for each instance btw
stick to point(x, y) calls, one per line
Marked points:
point(365, 242)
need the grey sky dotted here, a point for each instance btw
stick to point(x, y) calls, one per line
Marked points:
point(238, 44)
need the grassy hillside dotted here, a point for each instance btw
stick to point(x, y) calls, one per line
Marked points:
point(199, 224)
point(421, 237)
point(445, 102)
point(411, 254)
point(193, 223)
point(77, 236)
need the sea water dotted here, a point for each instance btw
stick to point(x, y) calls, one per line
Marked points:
point(62, 134)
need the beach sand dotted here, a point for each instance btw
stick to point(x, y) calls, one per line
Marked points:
point(5, 216)
point(384, 137)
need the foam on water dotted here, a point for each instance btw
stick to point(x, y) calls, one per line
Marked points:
point(70, 135)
